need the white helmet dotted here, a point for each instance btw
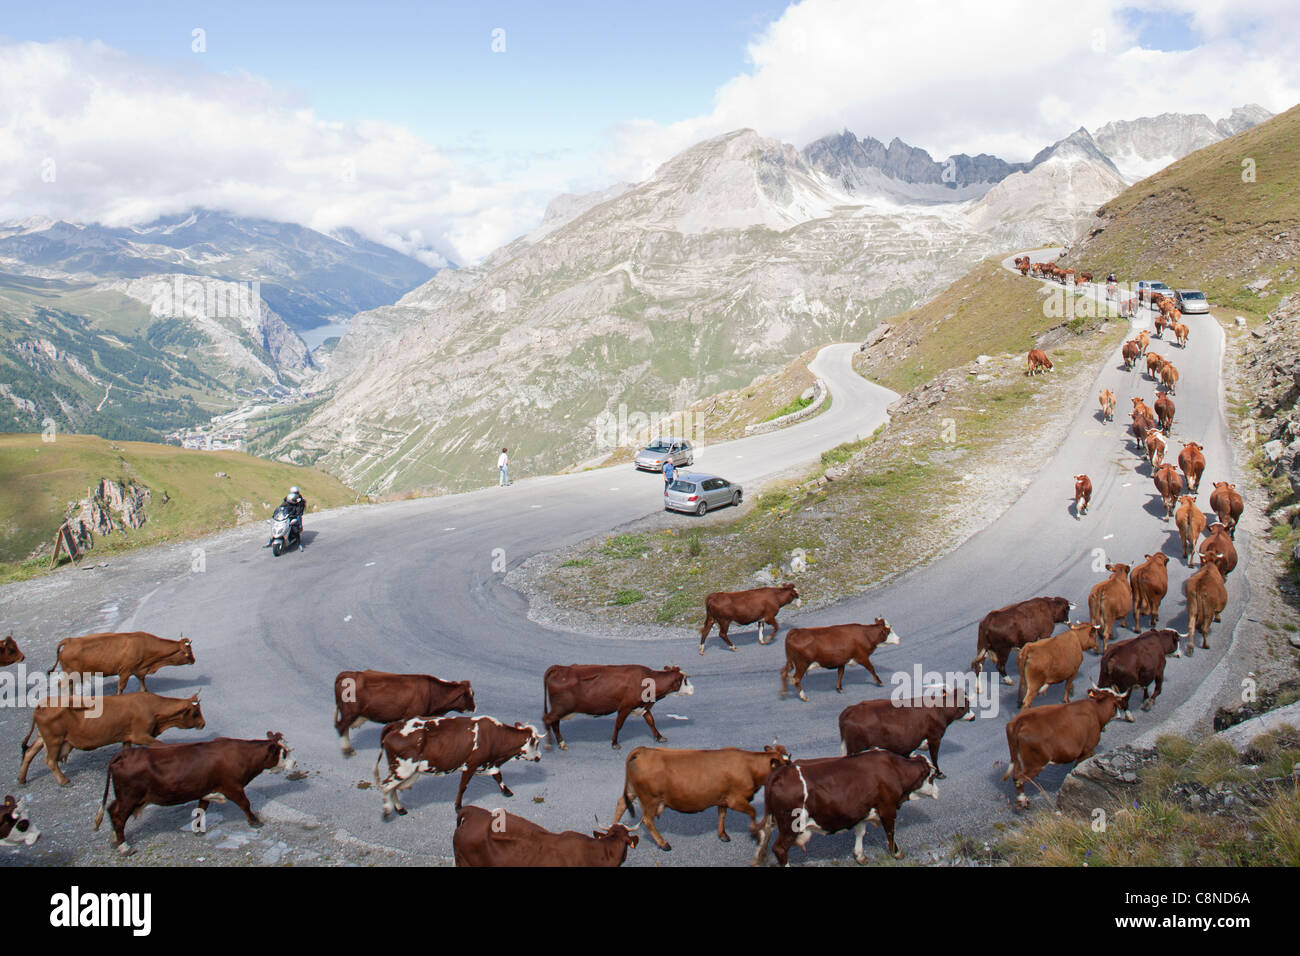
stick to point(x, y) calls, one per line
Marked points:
point(293, 492)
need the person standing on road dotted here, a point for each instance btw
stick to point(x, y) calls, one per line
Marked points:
point(503, 466)
point(669, 471)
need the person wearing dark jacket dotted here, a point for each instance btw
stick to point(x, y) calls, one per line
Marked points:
point(297, 506)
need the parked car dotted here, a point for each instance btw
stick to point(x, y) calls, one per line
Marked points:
point(1147, 288)
point(654, 455)
point(699, 493)
point(1191, 301)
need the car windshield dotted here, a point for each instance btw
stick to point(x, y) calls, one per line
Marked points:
point(1193, 295)
point(683, 486)
point(1159, 285)
point(657, 446)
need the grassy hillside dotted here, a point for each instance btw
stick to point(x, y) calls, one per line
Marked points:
point(38, 480)
point(1197, 224)
point(989, 311)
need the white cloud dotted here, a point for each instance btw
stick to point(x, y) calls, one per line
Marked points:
point(131, 141)
point(1005, 78)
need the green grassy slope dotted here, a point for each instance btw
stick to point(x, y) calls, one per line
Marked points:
point(1202, 223)
point(39, 479)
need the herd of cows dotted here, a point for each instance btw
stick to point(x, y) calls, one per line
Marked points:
point(889, 747)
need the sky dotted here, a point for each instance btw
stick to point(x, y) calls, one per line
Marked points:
point(444, 129)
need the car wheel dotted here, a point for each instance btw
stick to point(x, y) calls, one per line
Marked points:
point(735, 499)
point(703, 509)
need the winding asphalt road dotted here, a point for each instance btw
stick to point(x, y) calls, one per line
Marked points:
point(416, 586)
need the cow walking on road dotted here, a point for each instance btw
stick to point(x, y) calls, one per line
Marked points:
point(136, 654)
point(725, 608)
point(603, 689)
point(832, 647)
point(360, 696)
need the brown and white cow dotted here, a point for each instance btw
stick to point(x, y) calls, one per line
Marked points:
point(135, 654)
point(1053, 660)
point(1082, 495)
point(1168, 486)
point(1056, 733)
point(725, 608)
point(1142, 423)
point(497, 838)
point(1155, 443)
point(1037, 361)
point(836, 647)
point(1206, 597)
point(9, 652)
point(168, 775)
point(1219, 549)
point(903, 726)
point(1149, 582)
point(444, 745)
point(691, 781)
point(602, 689)
point(1138, 662)
point(383, 697)
point(1107, 400)
point(1109, 601)
point(132, 719)
point(1169, 377)
point(16, 828)
point(1192, 462)
point(1191, 524)
point(1227, 504)
point(1164, 412)
point(831, 794)
point(1012, 627)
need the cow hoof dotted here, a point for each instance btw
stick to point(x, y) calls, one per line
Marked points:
point(733, 648)
point(940, 775)
point(1008, 681)
point(660, 739)
point(255, 823)
point(349, 752)
point(667, 847)
point(724, 838)
point(401, 811)
point(860, 860)
point(1146, 704)
point(701, 652)
point(126, 850)
point(803, 696)
point(616, 745)
point(564, 746)
point(507, 792)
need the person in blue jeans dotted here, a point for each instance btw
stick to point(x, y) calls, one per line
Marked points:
point(503, 466)
point(669, 471)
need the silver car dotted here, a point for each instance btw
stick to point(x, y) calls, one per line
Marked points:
point(699, 493)
point(654, 455)
point(1191, 302)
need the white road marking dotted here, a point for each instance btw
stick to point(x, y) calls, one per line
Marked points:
point(534, 506)
point(1127, 484)
point(1107, 537)
point(348, 618)
point(370, 564)
point(676, 717)
point(448, 529)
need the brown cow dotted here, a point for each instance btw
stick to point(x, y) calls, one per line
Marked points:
point(603, 689)
point(1107, 399)
point(136, 654)
point(497, 838)
point(1169, 377)
point(1037, 361)
point(1206, 596)
point(1155, 442)
point(1140, 408)
point(16, 828)
point(1109, 601)
point(1054, 660)
point(1131, 352)
point(1192, 462)
point(1226, 504)
point(902, 726)
point(1149, 583)
point(1160, 325)
point(1191, 524)
point(1180, 333)
point(1154, 364)
point(830, 794)
point(443, 745)
point(1168, 485)
point(1144, 341)
point(1082, 495)
point(9, 652)
point(1056, 733)
point(383, 697)
point(1164, 412)
point(1138, 662)
point(129, 719)
point(1219, 549)
point(691, 781)
point(835, 646)
point(1011, 627)
point(167, 775)
point(1141, 425)
point(725, 608)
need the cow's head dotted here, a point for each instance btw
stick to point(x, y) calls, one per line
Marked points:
point(465, 698)
point(191, 714)
point(679, 683)
point(928, 787)
point(1168, 638)
point(277, 755)
point(532, 746)
point(1119, 570)
point(777, 756)
point(15, 827)
point(791, 595)
point(1110, 699)
point(1214, 559)
point(1159, 558)
point(9, 652)
point(1087, 634)
point(1218, 528)
point(1192, 447)
point(890, 636)
point(1061, 608)
point(185, 652)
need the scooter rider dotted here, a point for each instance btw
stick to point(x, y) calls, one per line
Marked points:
point(297, 505)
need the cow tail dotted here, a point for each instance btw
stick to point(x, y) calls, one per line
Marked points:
point(628, 797)
point(379, 784)
point(108, 778)
point(1021, 664)
point(1013, 746)
point(58, 653)
point(22, 747)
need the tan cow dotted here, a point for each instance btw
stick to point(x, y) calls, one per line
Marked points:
point(1181, 332)
point(1053, 660)
point(1219, 549)
point(136, 654)
point(1107, 399)
point(1192, 462)
point(1206, 596)
point(1037, 361)
point(1191, 524)
point(1227, 504)
point(1169, 377)
point(130, 719)
point(1154, 364)
point(1168, 485)
point(1149, 583)
point(1109, 601)
point(1056, 733)
point(691, 781)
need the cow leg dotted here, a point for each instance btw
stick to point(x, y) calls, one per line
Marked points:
point(1003, 660)
point(859, 831)
point(704, 631)
point(618, 725)
point(887, 821)
point(763, 836)
point(866, 662)
point(650, 719)
point(1069, 689)
point(464, 782)
point(119, 811)
point(934, 756)
point(345, 735)
point(799, 671)
point(121, 682)
point(1148, 703)
point(724, 626)
point(839, 680)
point(551, 720)
point(648, 815)
point(771, 622)
point(52, 756)
point(496, 775)
point(240, 799)
point(37, 746)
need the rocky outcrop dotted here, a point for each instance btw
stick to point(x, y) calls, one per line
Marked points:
point(1107, 781)
point(109, 506)
point(1273, 374)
